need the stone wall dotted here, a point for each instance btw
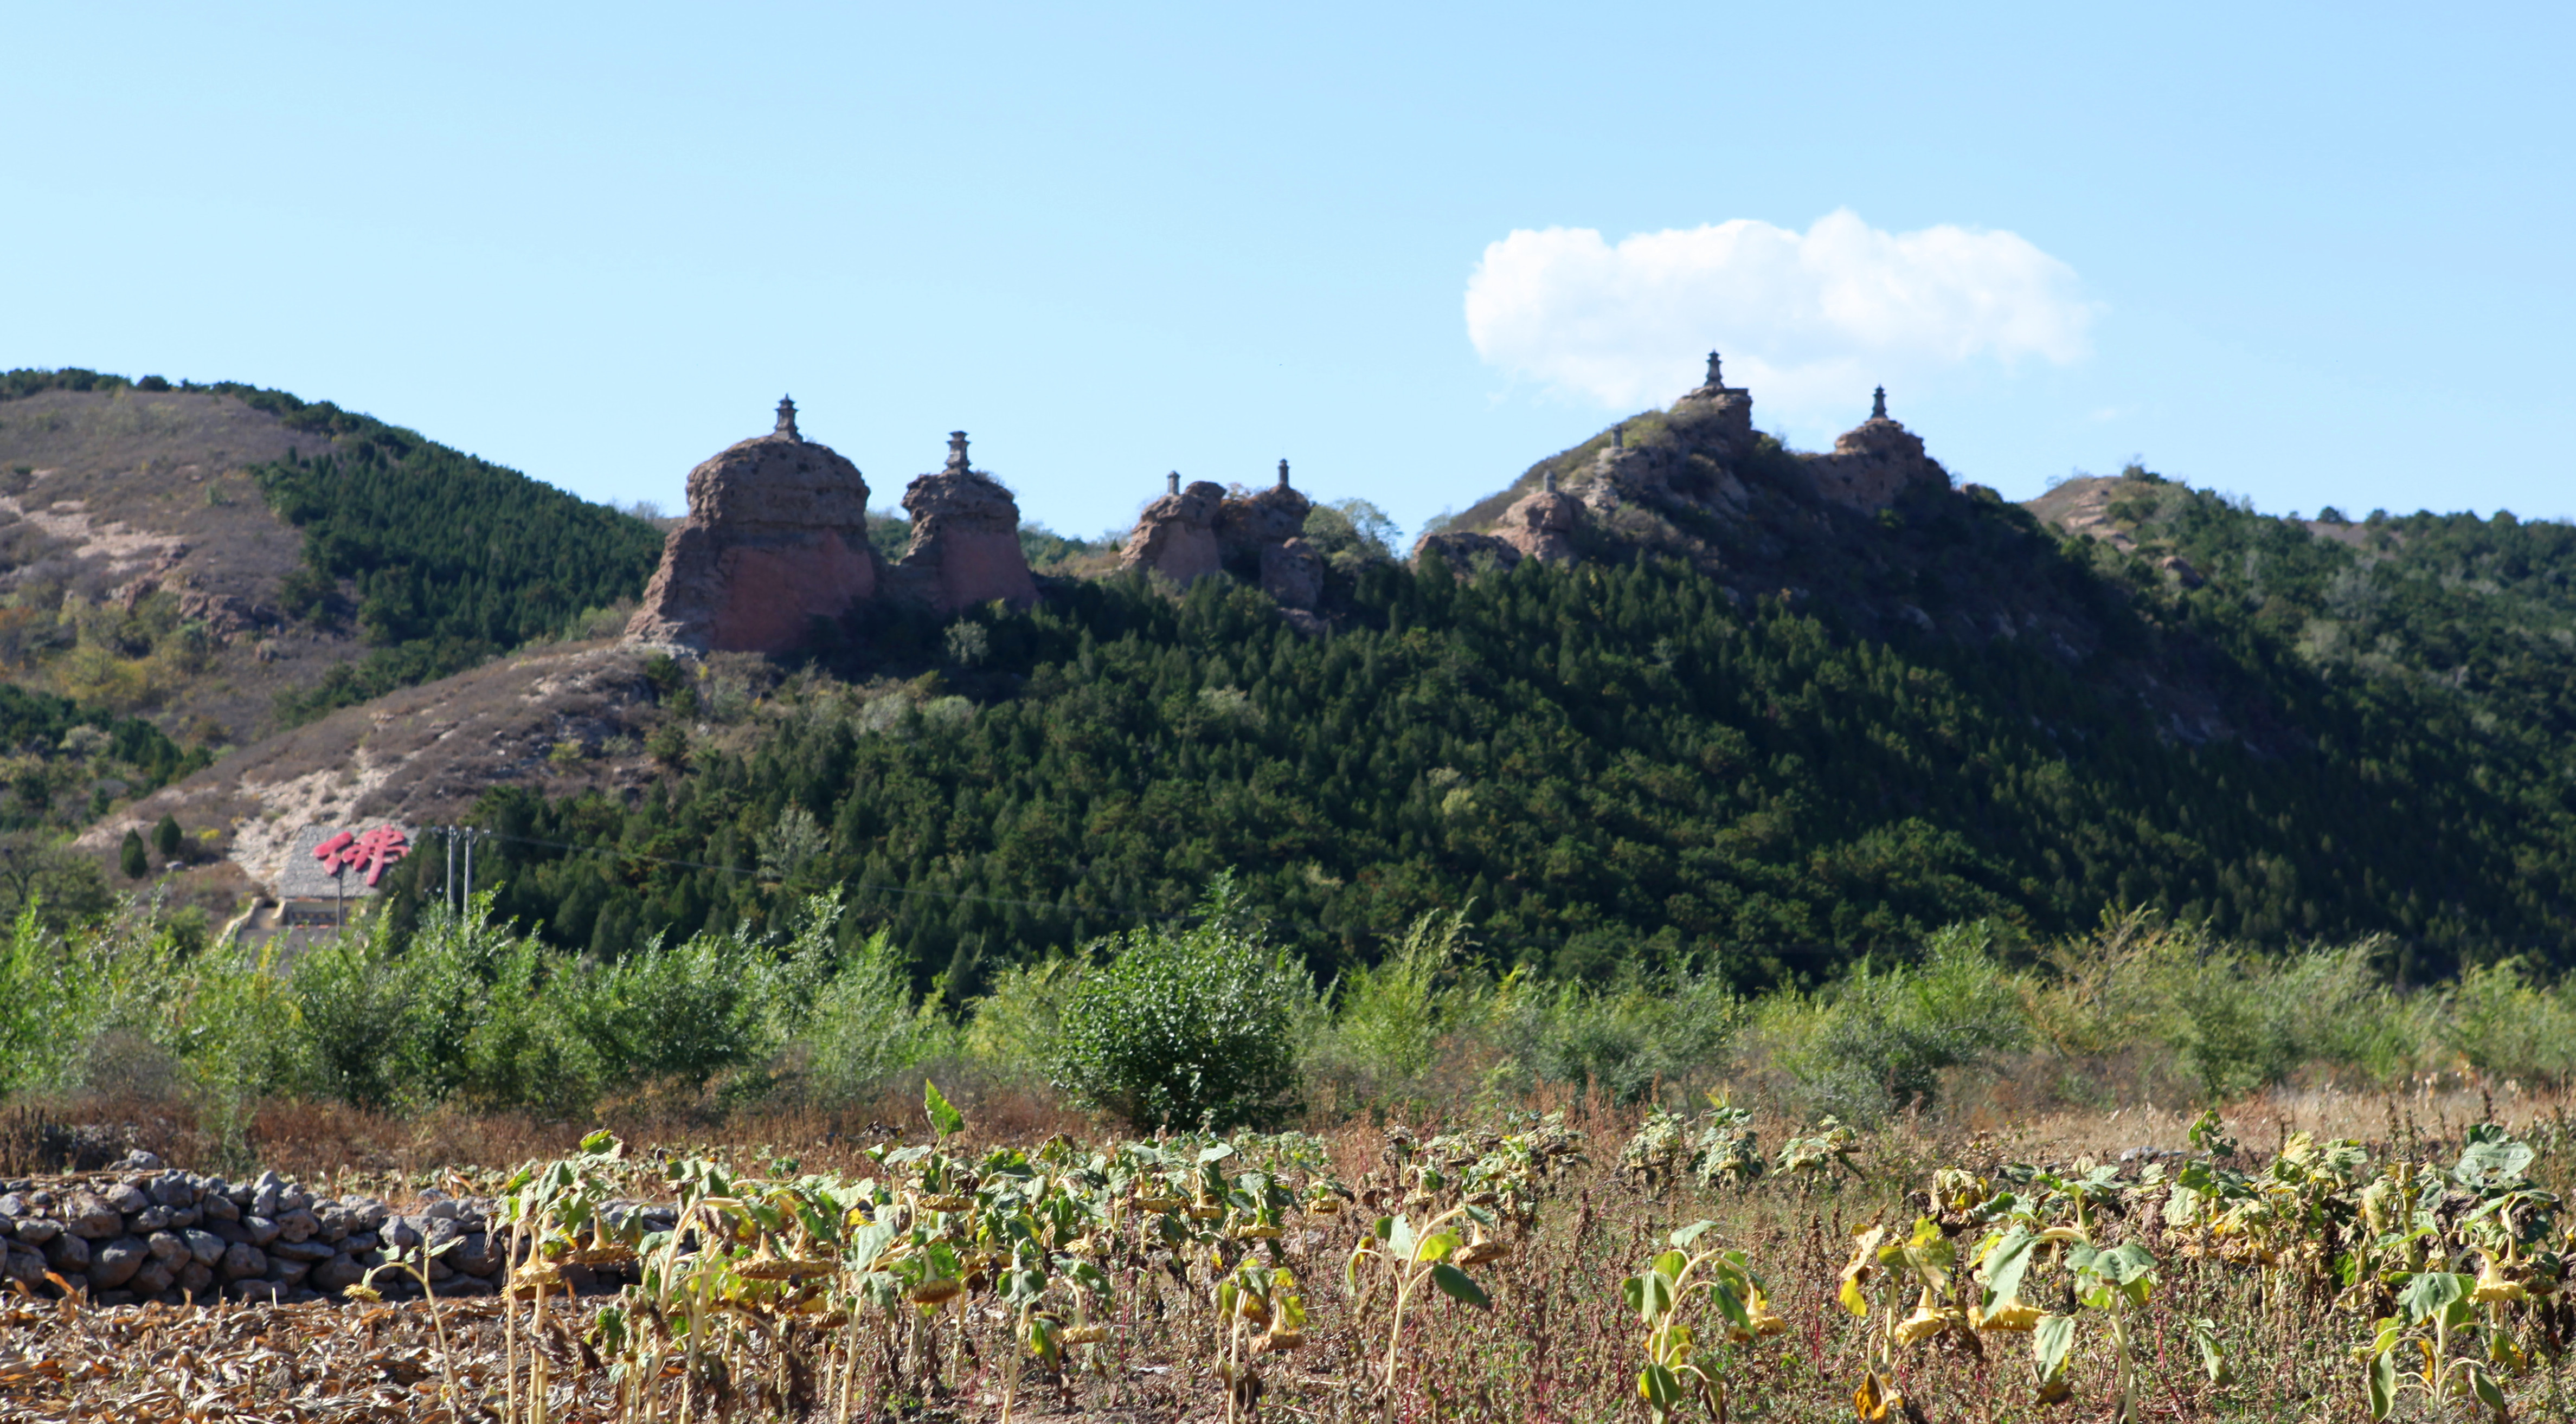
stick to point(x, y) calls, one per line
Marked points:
point(146, 1232)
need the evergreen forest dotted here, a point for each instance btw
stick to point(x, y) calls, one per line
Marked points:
point(443, 560)
point(1624, 765)
point(64, 762)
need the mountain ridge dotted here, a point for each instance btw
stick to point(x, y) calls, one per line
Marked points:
point(1743, 716)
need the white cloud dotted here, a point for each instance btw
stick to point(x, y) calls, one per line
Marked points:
point(1809, 320)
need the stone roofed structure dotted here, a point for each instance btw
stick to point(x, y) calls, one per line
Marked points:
point(776, 536)
point(965, 547)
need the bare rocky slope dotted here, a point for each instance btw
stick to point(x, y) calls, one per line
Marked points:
point(565, 717)
point(113, 496)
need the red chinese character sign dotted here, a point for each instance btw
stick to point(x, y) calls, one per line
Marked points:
point(371, 851)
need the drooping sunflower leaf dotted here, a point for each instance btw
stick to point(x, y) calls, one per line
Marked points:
point(945, 1120)
point(1454, 1284)
point(2051, 1341)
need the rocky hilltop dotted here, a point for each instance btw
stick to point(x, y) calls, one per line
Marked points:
point(777, 537)
point(1193, 533)
point(965, 545)
point(1691, 479)
point(777, 534)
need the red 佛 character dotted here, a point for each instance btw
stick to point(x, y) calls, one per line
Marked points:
point(372, 851)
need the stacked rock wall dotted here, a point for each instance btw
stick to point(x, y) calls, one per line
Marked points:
point(145, 1232)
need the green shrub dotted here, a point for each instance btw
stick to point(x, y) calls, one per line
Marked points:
point(2507, 1026)
point(355, 1004)
point(2240, 1021)
point(130, 857)
point(1388, 1019)
point(1878, 1042)
point(39, 993)
point(1185, 1028)
point(1673, 1028)
point(687, 1011)
point(865, 1024)
point(1016, 1024)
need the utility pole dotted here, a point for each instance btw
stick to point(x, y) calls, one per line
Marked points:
point(450, 832)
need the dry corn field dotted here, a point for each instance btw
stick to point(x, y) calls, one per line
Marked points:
point(2348, 1258)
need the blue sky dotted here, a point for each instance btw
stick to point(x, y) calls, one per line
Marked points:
point(2309, 254)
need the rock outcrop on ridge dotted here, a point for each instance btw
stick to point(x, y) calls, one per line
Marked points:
point(1874, 462)
point(1191, 533)
point(1542, 526)
point(965, 547)
point(1674, 479)
point(1464, 550)
point(776, 537)
point(1175, 536)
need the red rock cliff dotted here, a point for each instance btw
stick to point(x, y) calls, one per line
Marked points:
point(776, 537)
point(965, 545)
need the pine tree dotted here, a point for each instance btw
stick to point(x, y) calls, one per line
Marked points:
point(130, 857)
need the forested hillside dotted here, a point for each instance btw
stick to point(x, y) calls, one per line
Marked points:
point(1819, 734)
point(2486, 607)
point(1603, 760)
point(442, 559)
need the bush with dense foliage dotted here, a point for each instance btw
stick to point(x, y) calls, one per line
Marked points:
point(1185, 1027)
